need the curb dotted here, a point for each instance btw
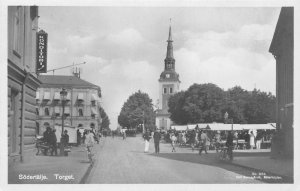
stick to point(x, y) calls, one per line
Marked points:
point(86, 174)
point(288, 179)
point(89, 169)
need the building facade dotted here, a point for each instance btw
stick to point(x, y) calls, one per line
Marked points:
point(282, 48)
point(168, 85)
point(22, 81)
point(81, 106)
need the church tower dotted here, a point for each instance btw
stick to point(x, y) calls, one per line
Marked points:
point(168, 85)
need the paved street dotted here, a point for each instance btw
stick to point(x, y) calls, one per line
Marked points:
point(123, 161)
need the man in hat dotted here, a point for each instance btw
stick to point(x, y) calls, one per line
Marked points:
point(204, 140)
point(156, 137)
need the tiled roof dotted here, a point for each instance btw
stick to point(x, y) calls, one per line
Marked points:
point(60, 80)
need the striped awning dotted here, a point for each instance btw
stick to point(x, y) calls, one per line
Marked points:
point(56, 96)
point(68, 96)
point(80, 96)
point(94, 111)
point(94, 97)
point(67, 110)
point(37, 95)
point(56, 110)
point(46, 96)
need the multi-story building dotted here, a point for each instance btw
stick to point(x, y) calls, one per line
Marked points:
point(168, 85)
point(22, 24)
point(81, 105)
point(282, 47)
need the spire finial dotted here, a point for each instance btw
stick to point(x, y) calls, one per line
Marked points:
point(170, 33)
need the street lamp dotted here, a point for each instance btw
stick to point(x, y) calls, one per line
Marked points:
point(63, 95)
point(226, 119)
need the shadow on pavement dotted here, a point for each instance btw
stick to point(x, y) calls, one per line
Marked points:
point(211, 159)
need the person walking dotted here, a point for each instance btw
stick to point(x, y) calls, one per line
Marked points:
point(78, 137)
point(192, 139)
point(252, 140)
point(203, 142)
point(147, 138)
point(156, 138)
point(89, 143)
point(173, 142)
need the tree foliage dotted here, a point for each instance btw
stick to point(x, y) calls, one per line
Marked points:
point(105, 122)
point(207, 103)
point(138, 109)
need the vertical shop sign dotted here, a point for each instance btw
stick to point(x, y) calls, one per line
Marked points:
point(41, 52)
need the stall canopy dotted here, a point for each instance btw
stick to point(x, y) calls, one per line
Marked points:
point(180, 127)
point(224, 127)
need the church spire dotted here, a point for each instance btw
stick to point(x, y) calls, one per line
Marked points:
point(170, 45)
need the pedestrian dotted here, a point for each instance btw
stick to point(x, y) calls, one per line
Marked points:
point(252, 139)
point(156, 138)
point(192, 139)
point(217, 141)
point(258, 139)
point(147, 138)
point(53, 142)
point(78, 137)
point(229, 144)
point(173, 139)
point(247, 139)
point(89, 143)
point(65, 138)
point(203, 142)
point(47, 138)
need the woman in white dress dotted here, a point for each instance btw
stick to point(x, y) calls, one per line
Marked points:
point(252, 138)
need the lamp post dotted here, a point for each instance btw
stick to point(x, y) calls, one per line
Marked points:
point(226, 119)
point(63, 95)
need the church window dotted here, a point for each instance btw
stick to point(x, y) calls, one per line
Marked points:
point(165, 90)
point(171, 90)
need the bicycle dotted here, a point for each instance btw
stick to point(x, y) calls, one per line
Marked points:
point(224, 154)
point(90, 155)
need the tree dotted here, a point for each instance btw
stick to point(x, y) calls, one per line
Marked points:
point(207, 103)
point(260, 107)
point(138, 109)
point(105, 120)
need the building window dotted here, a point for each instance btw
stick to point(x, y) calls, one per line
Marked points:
point(17, 31)
point(80, 112)
point(46, 111)
point(37, 111)
point(171, 90)
point(165, 90)
point(93, 116)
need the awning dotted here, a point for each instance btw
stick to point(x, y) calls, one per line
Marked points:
point(80, 96)
point(94, 111)
point(67, 110)
point(179, 127)
point(37, 95)
point(46, 96)
point(94, 97)
point(56, 110)
point(68, 96)
point(56, 96)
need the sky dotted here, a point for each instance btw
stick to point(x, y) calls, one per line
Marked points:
point(124, 47)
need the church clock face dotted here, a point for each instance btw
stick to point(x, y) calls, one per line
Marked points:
point(167, 75)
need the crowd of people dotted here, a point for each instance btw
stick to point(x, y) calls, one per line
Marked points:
point(246, 139)
point(88, 138)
